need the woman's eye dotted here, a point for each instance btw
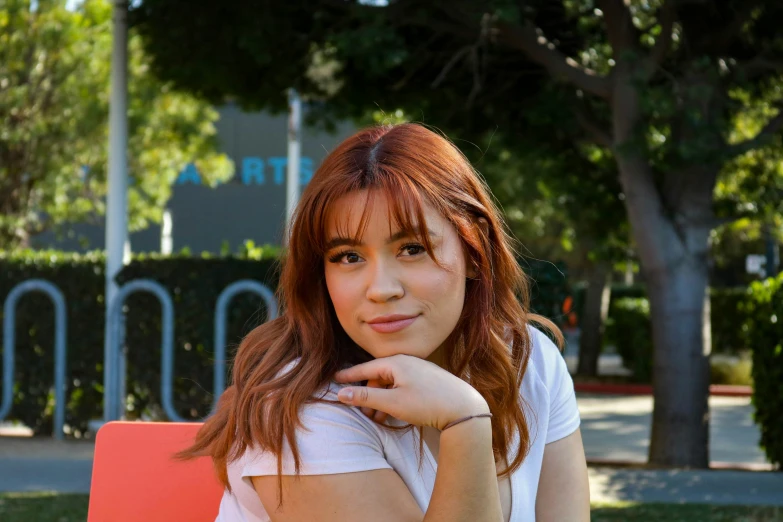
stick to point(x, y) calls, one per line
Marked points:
point(350, 257)
point(414, 249)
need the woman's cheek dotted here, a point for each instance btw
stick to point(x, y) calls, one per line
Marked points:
point(340, 294)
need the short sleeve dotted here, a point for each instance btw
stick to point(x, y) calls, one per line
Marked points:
point(336, 440)
point(563, 410)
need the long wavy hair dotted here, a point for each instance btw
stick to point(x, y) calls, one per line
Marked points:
point(489, 347)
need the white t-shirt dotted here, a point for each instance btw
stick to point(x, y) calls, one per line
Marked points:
point(342, 440)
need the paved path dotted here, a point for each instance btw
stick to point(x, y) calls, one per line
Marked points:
point(617, 428)
point(752, 488)
point(613, 428)
point(42, 464)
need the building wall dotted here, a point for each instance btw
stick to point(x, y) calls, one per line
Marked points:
point(250, 206)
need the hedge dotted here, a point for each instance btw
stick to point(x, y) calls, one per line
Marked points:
point(629, 329)
point(764, 329)
point(193, 283)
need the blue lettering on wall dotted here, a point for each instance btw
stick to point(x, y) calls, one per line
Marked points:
point(189, 175)
point(253, 171)
point(279, 164)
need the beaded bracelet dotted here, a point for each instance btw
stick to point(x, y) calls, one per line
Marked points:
point(463, 419)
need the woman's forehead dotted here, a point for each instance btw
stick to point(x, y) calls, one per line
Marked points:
point(345, 216)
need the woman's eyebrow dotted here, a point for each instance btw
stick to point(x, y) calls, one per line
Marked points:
point(349, 241)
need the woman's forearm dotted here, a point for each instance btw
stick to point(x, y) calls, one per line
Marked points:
point(466, 485)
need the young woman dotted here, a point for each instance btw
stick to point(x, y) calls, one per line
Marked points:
point(403, 381)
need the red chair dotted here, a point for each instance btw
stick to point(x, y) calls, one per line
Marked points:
point(135, 478)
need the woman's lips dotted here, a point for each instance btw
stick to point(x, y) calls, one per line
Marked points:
point(392, 326)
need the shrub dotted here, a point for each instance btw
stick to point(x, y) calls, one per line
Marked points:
point(735, 372)
point(548, 287)
point(630, 330)
point(193, 283)
point(727, 317)
point(764, 328)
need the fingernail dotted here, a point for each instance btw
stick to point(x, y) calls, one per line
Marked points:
point(345, 394)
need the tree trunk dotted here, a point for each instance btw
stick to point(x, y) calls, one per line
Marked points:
point(681, 335)
point(594, 316)
point(671, 232)
point(673, 257)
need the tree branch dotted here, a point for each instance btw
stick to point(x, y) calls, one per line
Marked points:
point(772, 127)
point(619, 25)
point(666, 17)
point(529, 40)
point(461, 53)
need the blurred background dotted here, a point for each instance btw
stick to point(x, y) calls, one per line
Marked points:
point(634, 147)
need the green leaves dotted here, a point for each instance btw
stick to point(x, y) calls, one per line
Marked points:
point(54, 99)
point(764, 306)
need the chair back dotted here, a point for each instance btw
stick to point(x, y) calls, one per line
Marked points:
point(135, 478)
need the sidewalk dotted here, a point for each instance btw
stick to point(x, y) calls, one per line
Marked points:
point(614, 429)
point(617, 429)
point(760, 488)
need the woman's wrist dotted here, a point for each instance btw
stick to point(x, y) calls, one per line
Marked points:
point(475, 406)
point(465, 419)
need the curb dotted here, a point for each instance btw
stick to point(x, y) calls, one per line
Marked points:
point(717, 390)
point(714, 465)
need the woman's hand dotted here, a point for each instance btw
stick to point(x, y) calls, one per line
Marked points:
point(377, 415)
point(410, 389)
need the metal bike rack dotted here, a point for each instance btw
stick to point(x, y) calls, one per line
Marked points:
point(9, 345)
point(112, 355)
point(225, 297)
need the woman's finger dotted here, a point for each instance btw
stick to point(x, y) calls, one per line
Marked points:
point(372, 383)
point(373, 398)
point(377, 369)
point(380, 416)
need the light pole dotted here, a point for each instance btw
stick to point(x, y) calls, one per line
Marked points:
point(294, 158)
point(116, 199)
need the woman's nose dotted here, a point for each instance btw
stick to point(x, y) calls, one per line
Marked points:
point(384, 283)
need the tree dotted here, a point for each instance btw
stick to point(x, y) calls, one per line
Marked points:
point(654, 81)
point(54, 94)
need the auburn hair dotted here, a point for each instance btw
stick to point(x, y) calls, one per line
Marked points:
point(489, 348)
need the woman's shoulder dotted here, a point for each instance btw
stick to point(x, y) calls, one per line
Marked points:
point(327, 390)
point(546, 359)
point(323, 406)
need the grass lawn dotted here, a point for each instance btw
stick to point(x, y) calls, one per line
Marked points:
point(51, 507)
point(623, 511)
point(42, 507)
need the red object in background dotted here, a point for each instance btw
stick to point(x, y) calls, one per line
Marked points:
point(717, 390)
point(569, 316)
point(134, 477)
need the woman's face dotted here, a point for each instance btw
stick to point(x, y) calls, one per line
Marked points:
point(388, 275)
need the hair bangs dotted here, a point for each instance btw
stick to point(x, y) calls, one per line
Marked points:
point(406, 209)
